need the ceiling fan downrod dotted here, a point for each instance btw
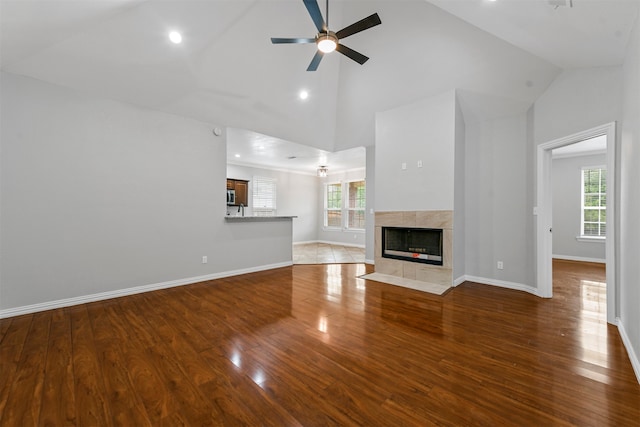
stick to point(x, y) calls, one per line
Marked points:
point(327, 15)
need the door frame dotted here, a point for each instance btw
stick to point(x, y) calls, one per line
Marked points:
point(544, 211)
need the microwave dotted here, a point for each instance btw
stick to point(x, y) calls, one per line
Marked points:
point(231, 197)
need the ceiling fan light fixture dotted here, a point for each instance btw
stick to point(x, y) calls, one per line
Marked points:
point(175, 37)
point(327, 42)
point(322, 171)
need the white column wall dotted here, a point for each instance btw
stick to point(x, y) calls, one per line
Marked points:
point(629, 277)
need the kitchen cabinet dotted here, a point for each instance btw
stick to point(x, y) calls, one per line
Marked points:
point(241, 188)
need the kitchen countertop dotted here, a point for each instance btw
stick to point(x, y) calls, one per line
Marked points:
point(232, 218)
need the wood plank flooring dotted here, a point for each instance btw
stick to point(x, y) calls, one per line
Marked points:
point(313, 345)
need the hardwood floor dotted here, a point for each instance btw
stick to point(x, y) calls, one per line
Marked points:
point(313, 345)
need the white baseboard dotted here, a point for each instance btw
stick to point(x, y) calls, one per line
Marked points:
point(579, 258)
point(499, 283)
point(50, 305)
point(459, 280)
point(633, 357)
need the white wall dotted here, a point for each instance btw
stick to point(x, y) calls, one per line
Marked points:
point(578, 100)
point(347, 237)
point(371, 203)
point(496, 202)
point(99, 196)
point(630, 202)
point(586, 98)
point(422, 131)
point(459, 212)
point(296, 194)
point(567, 182)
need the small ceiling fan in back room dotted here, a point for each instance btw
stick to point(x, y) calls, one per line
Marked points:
point(328, 41)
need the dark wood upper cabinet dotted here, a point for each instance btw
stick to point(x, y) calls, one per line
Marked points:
point(241, 188)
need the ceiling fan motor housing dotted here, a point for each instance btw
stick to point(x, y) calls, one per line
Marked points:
point(327, 41)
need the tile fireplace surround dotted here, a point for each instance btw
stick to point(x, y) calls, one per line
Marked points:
point(441, 275)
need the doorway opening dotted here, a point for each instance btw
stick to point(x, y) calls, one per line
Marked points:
point(544, 211)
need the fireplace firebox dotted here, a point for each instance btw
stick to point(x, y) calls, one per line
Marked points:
point(413, 244)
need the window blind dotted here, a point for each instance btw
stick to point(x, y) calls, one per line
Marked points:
point(264, 196)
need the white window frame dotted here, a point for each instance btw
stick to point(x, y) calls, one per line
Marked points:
point(264, 196)
point(348, 209)
point(344, 206)
point(327, 209)
point(587, 237)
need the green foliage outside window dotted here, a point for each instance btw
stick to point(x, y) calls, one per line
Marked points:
point(594, 202)
point(349, 208)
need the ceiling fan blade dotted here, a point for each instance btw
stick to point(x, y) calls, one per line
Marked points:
point(356, 56)
point(315, 61)
point(363, 24)
point(278, 40)
point(316, 15)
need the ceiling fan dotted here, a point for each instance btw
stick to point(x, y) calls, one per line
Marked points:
point(328, 41)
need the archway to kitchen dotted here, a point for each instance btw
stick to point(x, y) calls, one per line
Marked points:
point(325, 191)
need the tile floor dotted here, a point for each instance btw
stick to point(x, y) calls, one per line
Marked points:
point(323, 253)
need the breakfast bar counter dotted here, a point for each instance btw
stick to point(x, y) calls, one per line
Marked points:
point(233, 218)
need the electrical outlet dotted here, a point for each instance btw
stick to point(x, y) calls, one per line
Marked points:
point(205, 259)
point(500, 265)
point(419, 163)
point(403, 166)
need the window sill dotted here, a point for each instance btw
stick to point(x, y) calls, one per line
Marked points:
point(590, 239)
point(346, 230)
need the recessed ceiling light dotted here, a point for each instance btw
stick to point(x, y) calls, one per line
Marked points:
point(237, 155)
point(175, 37)
point(303, 94)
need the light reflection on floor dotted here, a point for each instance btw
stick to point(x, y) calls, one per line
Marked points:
point(259, 378)
point(592, 326)
point(236, 358)
point(360, 270)
point(322, 324)
point(594, 297)
point(334, 279)
point(334, 283)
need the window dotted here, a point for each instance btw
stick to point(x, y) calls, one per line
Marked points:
point(264, 196)
point(346, 212)
point(356, 204)
point(593, 221)
point(333, 206)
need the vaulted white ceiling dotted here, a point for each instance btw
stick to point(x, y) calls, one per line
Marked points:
point(499, 55)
